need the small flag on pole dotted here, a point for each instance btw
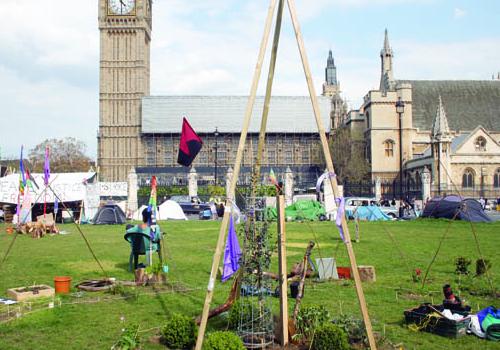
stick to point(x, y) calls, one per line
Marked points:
point(46, 166)
point(22, 177)
point(232, 253)
point(189, 145)
point(274, 180)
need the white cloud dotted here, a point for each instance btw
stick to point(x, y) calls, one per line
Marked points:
point(474, 59)
point(458, 13)
point(49, 59)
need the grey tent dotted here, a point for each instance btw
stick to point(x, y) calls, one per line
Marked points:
point(109, 214)
point(455, 207)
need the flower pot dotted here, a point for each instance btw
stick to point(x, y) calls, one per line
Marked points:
point(62, 284)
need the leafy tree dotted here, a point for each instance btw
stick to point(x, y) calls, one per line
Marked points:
point(66, 155)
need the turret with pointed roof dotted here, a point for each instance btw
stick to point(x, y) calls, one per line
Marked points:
point(331, 86)
point(386, 55)
point(440, 129)
point(330, 70)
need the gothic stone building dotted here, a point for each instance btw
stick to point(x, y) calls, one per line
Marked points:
point(459, 147)
point(141, 132)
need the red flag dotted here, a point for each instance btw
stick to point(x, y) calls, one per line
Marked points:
point(190, 144)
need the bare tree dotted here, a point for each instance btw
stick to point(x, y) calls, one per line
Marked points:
point(66, 155)
point(348, 156)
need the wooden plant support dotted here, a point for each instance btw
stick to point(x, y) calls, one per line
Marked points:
point(283, 286)
point(239, 155)
point(300, 293)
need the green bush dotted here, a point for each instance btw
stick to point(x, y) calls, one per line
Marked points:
point(129, 339)
point(179, 332)
point(330, 337)
point(482, 265)
point(462, 265)
point(223, 341)
point(309, 318)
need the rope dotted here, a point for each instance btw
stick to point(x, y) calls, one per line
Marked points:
point(473, 230)
point(80, 231)
point(25, 217)
point(438, 249)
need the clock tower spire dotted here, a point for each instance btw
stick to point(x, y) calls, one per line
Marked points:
point(124, 78)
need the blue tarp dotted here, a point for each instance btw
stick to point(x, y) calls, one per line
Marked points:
point(368, 213)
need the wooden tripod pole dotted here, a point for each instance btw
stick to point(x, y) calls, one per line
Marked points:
point(283, 282)
point(267, 98)
point(234, 180)
point(333, 179)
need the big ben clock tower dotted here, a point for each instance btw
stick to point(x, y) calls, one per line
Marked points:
point(125, 37)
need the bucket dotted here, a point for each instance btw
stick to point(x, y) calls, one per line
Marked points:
point(294, 289)
point(344, 272)
point(62, 284)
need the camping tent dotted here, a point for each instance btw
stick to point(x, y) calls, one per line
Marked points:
point(301, 210)
point(170, 210)
point(454, 206)
point(138, 213)
point(109, 214)
point(368, 213)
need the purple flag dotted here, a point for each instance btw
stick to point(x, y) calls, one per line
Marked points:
point(340, 212)
point(46, 167)
point(232, 253)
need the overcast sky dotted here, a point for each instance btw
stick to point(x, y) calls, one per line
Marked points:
point(49, 53)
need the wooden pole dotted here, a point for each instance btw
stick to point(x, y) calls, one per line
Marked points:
point(280, 201)
point(333, 179)
point(300, 293)
point(267, 98)
point(234, 180)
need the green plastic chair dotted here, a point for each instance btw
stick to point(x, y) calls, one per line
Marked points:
point(140, 244)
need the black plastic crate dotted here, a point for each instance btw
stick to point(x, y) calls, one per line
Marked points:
point(437, 324)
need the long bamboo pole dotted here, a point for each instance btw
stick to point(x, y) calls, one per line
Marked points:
point(282, 270)
point(333, 180)
point(267, 98)
point(234, 180)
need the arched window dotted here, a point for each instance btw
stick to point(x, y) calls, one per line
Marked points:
point(480, 144)
point(468, 178)
point(496, 178)
point(389, 148)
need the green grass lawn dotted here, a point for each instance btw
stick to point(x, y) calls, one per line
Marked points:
point(80, 322)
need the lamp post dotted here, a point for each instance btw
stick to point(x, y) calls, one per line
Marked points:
point(216, 134)
point(400, 108)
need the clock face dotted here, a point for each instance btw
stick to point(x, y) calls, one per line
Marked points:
point(121, 7)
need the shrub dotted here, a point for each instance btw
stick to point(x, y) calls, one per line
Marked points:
point(223, 341)
point(328, 337)
point(309, 318)
point(129, 339)
point(353, 327)
point(179, 332)
point(462, 265)
point(482, 265)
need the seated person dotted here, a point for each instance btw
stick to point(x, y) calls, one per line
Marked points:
point(146, 229)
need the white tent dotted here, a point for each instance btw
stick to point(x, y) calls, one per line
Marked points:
point(138, 213)
point(171, 210)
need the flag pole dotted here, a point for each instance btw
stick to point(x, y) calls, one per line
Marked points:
point(333, 179)
point(234, 180)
